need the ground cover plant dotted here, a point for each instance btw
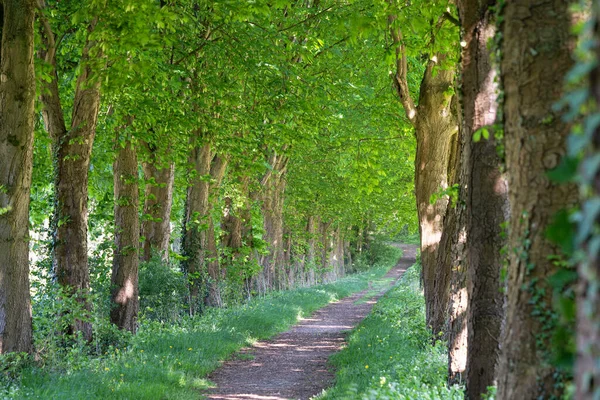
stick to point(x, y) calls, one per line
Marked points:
point(171, 361)
point(390, 355)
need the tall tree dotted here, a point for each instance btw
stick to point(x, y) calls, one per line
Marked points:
point(17, 97)
point(158, 201)
point(199, 241)
point(273, 183)
point(536, 55)
point(486, 196)
point(73, 148)
point(124, 280)
point(435, 124)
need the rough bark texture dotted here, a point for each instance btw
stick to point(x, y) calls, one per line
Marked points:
point(536, 56)
point(17, 95)
point(158, 200)
point(73, 149)
point(486, 199)
point(445, 254)
point(434, 127)
point(124, 280)
point(198, 225)
point(587, 368)
point(452, 259)
point(435, 123)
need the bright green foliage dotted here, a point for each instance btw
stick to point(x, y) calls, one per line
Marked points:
point(171, 361)
point(390, 355)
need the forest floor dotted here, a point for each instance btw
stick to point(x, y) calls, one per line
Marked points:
point(294, 364)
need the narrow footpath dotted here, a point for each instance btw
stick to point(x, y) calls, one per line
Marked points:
point(293, 365)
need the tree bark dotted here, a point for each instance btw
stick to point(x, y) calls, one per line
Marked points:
point(435, 123)
point(158, 201)
point(453, 270)
point(72, 149)
point(446, 254)
point(17, 98)
point(434, 127)
point(486, 199)
point(124, 280)
point(536, 50)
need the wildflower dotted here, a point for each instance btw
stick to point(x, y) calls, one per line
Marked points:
point(366, 367)
point(382, 380)
point(190, 349)
point(106, 369)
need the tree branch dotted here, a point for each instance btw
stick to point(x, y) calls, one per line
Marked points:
point(449, 17)
point(400, 77)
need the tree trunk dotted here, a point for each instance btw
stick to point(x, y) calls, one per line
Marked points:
point(215, 272)
point(158, 200)
point(434, 121)
point(452, 269)
point(310, 265)
point(237, 232)
point(273, 184)
point(209, 169)
point(587, 367)
point(72, 151)
point(17, 95)
point(124, 280)
point(325, 250)
point(486, 199)
point(434, 127)
point(536, 52)
point(445, 254)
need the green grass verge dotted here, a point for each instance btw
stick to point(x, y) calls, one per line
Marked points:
point(172, 361)
point(390, 355)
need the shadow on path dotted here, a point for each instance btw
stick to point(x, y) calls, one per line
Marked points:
point(293, 365)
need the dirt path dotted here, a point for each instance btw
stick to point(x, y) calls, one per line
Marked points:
point(293, 365)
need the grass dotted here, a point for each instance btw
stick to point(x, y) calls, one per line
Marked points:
point(172, 361)
point(390, 355)
point(375, 287)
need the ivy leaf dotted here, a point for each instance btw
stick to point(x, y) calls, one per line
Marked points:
point(561, 231)
point(565, 171)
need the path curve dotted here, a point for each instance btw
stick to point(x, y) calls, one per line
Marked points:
point(293, 365)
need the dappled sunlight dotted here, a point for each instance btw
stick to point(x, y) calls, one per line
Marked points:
point(125, 293)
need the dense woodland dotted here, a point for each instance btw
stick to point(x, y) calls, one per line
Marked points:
point(162, 158)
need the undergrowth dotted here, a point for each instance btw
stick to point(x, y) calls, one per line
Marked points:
point(390, 355)
point(171, 360)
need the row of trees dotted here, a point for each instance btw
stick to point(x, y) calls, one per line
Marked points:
point(269, 135)
point(250, 145)
point(498, 251)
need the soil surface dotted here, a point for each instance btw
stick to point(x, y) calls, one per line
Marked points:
point(293, 365)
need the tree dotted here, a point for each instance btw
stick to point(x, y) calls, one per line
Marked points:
point(486, 196)
point(72, 148)
point(124, 280)
point(536, 55)
point(158, 201)
point(435, 124)
point(17, 95)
